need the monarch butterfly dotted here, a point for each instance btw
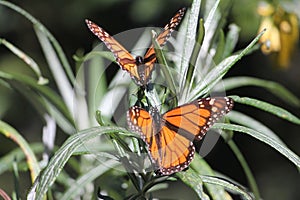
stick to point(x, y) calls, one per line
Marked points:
point(169, 137)
point(139, 68)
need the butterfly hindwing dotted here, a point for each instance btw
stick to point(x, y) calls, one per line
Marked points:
point(169, 151)
point(173, 153)
point(170, 136)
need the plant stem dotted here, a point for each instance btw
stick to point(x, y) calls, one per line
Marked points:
point(245, 166)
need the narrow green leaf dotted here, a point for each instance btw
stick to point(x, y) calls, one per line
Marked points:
point(215, 75)
point(42, 28)
point(191, 73)
point(97, 53)
point(57, 70)
point(163, 64)
point(16, 180)
point(231, 40)
point(268, 140)
point(210, 24)
point(43, 105)
point(227, 185)
point(28, 60)
point(99, 118)
point(202, 168)
point(79, 184)
point(275, 88)
point(250, 122)
point(96, 87)
point(42, 89)
point(82, 120)
point(191, 179)
point(218, 57)
point(275, 110)
point(64, 122)
point(246, 168)
point(189, 41)
point(17, 155)
point(60, 158)
point(14, 135)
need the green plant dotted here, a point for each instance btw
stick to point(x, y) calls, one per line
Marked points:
point(58, 107)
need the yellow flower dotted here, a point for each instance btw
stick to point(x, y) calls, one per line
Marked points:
point(282, 33)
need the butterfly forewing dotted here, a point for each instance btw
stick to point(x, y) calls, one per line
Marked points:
point(123, 57)
point(162, 38)
point(194, 119)
point(140, 121)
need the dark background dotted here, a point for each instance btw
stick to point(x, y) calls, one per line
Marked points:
point(277, 177)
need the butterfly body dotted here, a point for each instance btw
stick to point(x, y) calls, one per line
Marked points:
point(169, 137)
point(139, 68)
point(142, 71)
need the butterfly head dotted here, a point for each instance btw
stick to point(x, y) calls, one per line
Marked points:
point(139, 60)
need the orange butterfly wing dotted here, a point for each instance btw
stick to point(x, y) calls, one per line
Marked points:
point(125, 60)
point(192, 120)
point(169, 151)
point(162, 38)
point(169, 137)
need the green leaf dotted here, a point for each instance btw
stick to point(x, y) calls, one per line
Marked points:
point(246, 168)
point(28, 60)
point(218, 57)
point(190, 34)
point(231, 40)
point(17, 155)
point(62, 155)
point(163, 64)
point(15, 136)
point(64, 122)
point(42, 28)
point(191, 74)
point(268, 140)
point(96, 86)
point(250, 122)
point(98, 53)
point(191, 179)
point(217, 73)
point(275, 110)
point(79, 184)
point(211, 23)
point(202, 168)
point(57, 70)
point(275, 88)
point(226, 184)
point(16, 180)
point(56, 105)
